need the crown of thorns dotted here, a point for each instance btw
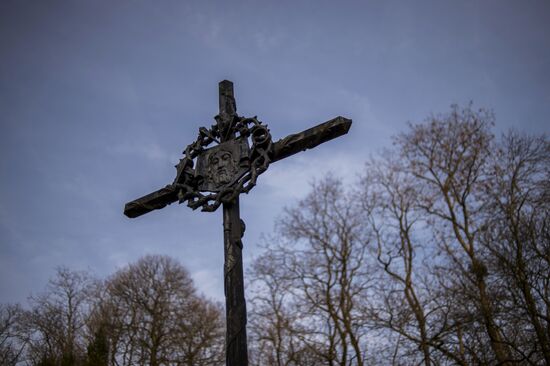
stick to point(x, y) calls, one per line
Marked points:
point(187, 181)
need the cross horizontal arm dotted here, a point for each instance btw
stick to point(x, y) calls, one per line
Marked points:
point(281, 149)
point(153, 201)
point(310, 138)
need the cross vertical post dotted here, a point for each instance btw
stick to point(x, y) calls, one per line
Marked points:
point(233, 230)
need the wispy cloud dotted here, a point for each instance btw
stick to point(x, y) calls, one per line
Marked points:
point(267, 41)
point(148, 150)
point(208, 283)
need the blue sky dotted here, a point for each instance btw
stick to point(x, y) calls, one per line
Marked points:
point(99, 98)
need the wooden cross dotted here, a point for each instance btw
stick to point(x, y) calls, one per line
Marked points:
point(210, 176)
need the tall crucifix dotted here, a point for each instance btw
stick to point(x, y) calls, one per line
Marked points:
point(210, 176)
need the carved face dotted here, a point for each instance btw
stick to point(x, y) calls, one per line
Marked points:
point(221, 167)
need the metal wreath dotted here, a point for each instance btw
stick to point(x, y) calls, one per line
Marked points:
point(186, 182)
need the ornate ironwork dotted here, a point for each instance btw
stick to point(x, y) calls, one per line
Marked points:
point(226, 169)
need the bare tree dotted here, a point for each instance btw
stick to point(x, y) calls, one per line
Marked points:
point(200, 332)
point(406, 301)
point(55, 324)
point(276, 333)
point(322, 257)
point(517, 234)
point(12, 341)
point(448, 156)
point(155, 317)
